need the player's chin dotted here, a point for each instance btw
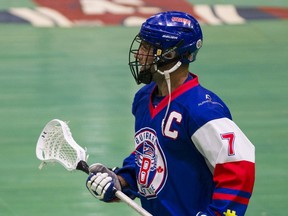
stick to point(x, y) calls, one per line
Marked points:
point(145, 69)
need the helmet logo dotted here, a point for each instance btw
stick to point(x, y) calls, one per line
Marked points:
point(170, 36)
point(159, 52)
point(199, 44)
point(180, 19)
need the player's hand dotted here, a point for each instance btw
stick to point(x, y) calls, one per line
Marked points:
point(102, 182)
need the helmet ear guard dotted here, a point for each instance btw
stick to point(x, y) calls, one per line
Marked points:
point(168, 56)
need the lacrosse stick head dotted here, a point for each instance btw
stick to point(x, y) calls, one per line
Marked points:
point(56, 144)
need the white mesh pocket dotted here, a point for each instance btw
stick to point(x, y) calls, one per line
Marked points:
point(57, 144)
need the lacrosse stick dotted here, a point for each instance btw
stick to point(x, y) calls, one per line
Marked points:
point(56, 144)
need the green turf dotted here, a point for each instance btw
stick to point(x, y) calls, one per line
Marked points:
point(81, 75)
point(5, 4)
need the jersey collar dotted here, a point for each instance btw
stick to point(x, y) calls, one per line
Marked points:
point(177, 92)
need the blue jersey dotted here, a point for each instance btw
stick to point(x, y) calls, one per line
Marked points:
point(196, 160)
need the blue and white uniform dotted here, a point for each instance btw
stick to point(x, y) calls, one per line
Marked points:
point(199, 162)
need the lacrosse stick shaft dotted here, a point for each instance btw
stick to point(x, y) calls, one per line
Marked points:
point(83, 166)
point(131, 203)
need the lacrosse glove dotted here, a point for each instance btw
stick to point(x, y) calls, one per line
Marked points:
point(102, 182)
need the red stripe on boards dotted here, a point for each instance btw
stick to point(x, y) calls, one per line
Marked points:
point(278, 12)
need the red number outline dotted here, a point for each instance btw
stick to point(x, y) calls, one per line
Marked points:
point(230, 137)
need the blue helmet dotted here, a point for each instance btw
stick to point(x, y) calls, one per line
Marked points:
point(167, 32)
point(173, 30)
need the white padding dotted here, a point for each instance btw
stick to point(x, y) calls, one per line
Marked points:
point(32, 16)
point(210, 142)
point(228, 14)
point(206, 13)
point(54, 15)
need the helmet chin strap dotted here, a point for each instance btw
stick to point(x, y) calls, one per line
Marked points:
point(166, 74)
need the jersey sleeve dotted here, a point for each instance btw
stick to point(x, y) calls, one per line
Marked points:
point(231, 157)
point(128, 171)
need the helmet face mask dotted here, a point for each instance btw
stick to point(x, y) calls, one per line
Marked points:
point(141, 60)
point(171, 37)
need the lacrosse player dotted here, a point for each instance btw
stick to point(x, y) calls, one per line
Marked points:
point(190, 157)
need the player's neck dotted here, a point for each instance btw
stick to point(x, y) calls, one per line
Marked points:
point(177, 78)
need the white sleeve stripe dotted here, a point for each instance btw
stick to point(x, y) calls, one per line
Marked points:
point(212, 143)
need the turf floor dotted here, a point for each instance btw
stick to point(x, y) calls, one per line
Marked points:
point(81, 75)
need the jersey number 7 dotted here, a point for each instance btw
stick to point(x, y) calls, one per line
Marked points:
point(230, 137)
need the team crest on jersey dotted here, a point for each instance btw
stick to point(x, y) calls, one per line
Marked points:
point(151, 163)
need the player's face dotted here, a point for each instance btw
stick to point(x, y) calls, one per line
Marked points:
point(145, 55)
